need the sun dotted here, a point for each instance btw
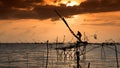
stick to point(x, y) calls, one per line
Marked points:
point(72, 3)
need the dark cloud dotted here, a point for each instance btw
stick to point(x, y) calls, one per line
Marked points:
point(27, 9)
point(101, 4)
point(19, 3)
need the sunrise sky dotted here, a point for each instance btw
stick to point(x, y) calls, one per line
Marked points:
point(28, 20)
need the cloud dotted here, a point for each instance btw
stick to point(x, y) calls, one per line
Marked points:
point(19, 3)
point(26, 9)
point(101, 4)
point(44, 9)
point(103, 24)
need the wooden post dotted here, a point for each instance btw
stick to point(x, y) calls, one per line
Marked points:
point(43, 59)
point(56, 49)
point(84, 52)
point(27, 61)
point(103, 54)
point(64, 56)
point(89, 65)
point(47, 54)
point(78, 59)
point(9, 62)
point(116, 56)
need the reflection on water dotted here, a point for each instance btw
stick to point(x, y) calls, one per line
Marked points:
point(105, 25)
point(35, 56)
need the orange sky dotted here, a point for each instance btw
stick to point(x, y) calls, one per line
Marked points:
point(35, 30)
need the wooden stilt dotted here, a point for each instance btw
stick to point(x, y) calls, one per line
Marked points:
point(47, 55)
point(116, 56)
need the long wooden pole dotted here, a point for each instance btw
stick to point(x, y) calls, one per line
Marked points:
point(56, 49)
point(47, 55)
point(78, 59)
point(89, 65)
point(27, 60)
point(9, 60)
point(116, 56)
point(68, 26)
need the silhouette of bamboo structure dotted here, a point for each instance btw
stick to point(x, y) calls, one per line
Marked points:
point(84, 55)
point(103, 54)
point(47, 55)
point(9, 62)
point(57, 50)
point(79, 41)
point(116, 53)
point(27, 60)
point(89, 65)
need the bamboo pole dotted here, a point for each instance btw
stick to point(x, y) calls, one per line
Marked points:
point(27, 61)
point(84, 51)
point(71, 31)
point(78, 59)
point(43, 59)
point(116, 56)
point(56, 49)
point(89, 65)
point(47, 55)
point(9, 63)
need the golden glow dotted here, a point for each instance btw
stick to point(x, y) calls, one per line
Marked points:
point(73, 3)
point(59, 2)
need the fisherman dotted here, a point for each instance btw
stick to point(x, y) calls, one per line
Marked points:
point(79, 36)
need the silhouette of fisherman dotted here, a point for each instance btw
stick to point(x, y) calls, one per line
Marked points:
point(79, 36)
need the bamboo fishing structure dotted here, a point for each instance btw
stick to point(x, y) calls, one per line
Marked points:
point(80, 43)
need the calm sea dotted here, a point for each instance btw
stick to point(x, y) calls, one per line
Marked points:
point(33, 55)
